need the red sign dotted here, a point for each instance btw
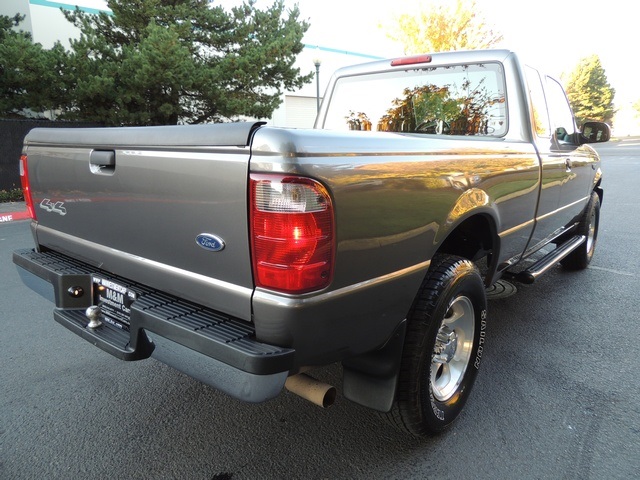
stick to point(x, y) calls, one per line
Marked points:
point(13, 216)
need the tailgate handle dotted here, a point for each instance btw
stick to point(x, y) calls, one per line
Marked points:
point(103, 158)
point(102, 162)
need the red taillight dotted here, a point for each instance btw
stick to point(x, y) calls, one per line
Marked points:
point(291, 233)
point(26, 187)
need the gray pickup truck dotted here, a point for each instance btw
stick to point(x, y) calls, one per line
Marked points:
point(245, 255)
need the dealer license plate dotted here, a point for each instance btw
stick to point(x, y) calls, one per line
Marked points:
point(114, 300)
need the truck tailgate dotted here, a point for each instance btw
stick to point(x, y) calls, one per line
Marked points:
point(163, 206)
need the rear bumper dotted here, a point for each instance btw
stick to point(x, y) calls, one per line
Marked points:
point(208, 345)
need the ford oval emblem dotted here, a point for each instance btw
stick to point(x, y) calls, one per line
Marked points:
point(210, 242)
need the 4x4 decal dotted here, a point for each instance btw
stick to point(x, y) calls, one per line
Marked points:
point(57, 207)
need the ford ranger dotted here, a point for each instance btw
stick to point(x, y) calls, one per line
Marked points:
point(245, 255)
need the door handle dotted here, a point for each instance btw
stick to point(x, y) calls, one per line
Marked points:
point(568, 164)
point(102, 161)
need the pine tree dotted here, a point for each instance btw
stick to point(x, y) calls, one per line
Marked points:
point(159, 62)
point(589, 92)
point(30, 76)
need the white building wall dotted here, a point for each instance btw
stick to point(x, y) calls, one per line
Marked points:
point(50, 26)
point(45, 20)
point(10, 7)
point(295, 112)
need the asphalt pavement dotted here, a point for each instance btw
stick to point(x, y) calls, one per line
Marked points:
point(556, 397)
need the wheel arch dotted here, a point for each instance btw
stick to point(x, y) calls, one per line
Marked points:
point(598, 189)
point(474, 237)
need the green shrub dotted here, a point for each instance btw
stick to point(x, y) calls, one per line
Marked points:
point(12, 195)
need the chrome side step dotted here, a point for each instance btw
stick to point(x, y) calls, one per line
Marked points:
point(551, 259)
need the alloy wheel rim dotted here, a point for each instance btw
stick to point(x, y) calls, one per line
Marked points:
point(452, 350)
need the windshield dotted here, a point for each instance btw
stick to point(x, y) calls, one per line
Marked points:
point(448, 100)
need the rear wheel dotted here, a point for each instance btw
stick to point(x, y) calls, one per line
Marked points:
point(581, 257)
point(443, 347)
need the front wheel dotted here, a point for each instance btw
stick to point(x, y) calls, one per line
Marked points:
point(443, 347)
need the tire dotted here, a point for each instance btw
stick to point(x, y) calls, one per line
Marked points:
point(581, 257)
point(443, 347)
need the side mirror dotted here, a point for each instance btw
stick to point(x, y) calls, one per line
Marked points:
point(595, 132)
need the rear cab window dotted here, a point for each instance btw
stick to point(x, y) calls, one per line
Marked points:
point(465, 99)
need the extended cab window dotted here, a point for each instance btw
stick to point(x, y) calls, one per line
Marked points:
point(560, 112)
point(538, 103)
point(448, 100)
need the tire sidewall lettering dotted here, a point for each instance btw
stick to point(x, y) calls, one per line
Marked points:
point(482, 339)
point(439, 414)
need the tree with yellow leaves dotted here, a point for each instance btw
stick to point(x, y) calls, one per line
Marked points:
point(442, 28)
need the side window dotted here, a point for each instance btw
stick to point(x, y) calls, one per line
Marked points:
point(538, 104)
point(560, 112)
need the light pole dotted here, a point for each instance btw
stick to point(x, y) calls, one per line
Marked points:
point(317, 62)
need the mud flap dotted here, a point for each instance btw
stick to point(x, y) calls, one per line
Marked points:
point(371, 379)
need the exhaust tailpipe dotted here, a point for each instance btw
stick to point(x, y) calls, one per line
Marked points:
point(317, 392)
